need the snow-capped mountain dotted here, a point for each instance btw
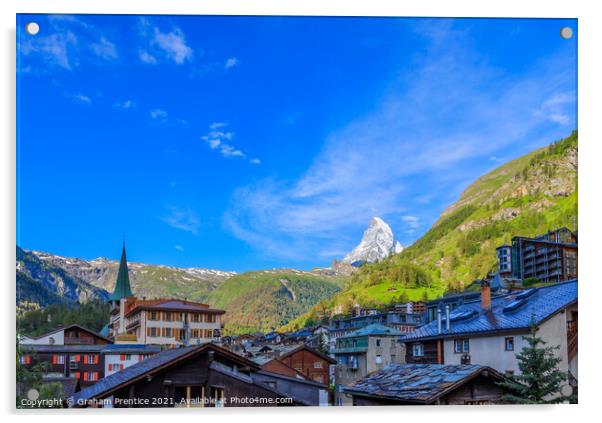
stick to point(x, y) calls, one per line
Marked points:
point(377, 243)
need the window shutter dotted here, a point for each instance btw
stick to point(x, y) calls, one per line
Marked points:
point(78, 358)
point(55, 359)
point(110, 367)
point(85, 359)
point(140, 357)
point(27, 359)
point(76, 375)
point(95, 375)
point(85, 375)
point(122, 357)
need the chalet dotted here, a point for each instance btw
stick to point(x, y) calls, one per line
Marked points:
point(362, 352)
point(490, 331)
point(82, 362)
point(311, 363)
point(69, 335)
point(164, 321)
point(206, 375)
point(424, 384)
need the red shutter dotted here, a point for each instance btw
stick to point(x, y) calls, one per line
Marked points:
point(85, 359)
point(95, 375)
point(78, 358)
point(85, 375)
point(76, 375)
point(122, 357)
point(110, 367)
point(95, 359)
point(27, 359)
point(140, 358)
point(55, 359)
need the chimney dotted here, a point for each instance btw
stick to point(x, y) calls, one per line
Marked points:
point(447, 321)
point(485, 295)
point(438, 320)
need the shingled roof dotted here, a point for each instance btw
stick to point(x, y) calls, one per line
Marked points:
point(418, 383)
point(515, 311)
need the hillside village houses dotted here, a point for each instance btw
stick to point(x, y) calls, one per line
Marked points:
point(174, 348)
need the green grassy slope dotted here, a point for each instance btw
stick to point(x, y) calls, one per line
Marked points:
point(526, 196)
point(268, 299)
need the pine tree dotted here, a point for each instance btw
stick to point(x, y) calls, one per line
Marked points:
point(540, 379)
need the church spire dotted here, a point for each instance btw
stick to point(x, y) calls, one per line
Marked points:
point(122, 286)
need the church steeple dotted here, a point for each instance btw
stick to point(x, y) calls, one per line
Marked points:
point(122, 285)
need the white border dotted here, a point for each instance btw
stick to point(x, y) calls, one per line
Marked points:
point(590, 69)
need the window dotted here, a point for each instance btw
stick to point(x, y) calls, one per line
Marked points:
point(378, 359)
point(25, 359)
point(461, 346)
point(92, 376)
point(153, 332)
point(90, 359)
point(58, 359)
point(317, 364)
point(418, 350)
point(153, 316)
point(393, 358)
point(509, 343)
point(378, 342)
point(168, 332)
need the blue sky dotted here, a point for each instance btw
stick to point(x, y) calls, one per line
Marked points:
point(244, 143)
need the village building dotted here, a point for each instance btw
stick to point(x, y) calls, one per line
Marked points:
point(551, 257)
point(165, 321)
point(362, 352)
point(400, 320)
point(429, 384)
point(76, 356)
point(490, 331)
point(206, 375)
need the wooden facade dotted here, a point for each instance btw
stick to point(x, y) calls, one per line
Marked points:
point(310, 363)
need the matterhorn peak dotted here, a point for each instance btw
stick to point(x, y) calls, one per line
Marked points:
point(377, 243)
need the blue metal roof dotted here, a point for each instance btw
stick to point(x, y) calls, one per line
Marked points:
point(508, 312)
point(374, 330)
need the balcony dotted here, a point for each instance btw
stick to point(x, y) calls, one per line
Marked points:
point(73, 340)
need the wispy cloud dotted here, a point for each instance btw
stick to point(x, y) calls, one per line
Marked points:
point(557, 108)
point(179, 248)
point(104, 48)
point(159, 115)
point(170, 46)
point(451, 108)
point(219, 138)
point(66, 42)
point(80, 98)
point(231, 62)
point(185, 219)
point(124, 105)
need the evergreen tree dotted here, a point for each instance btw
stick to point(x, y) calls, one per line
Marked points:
point(540, 379)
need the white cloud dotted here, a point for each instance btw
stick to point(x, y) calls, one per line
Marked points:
point(179, 248)
point(105, 49)
point(185, 219)
point(450, 107)
point(231, 62)
point(173, 45)
point(127, 104)
point(558, 108)
point(220, 139)
point(80, 98)
point(159, 114)
point(147, 58)
point(70, 43)
point(411, 221)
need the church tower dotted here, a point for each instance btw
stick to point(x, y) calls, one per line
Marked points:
point(120, 295)
point(122, 285)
